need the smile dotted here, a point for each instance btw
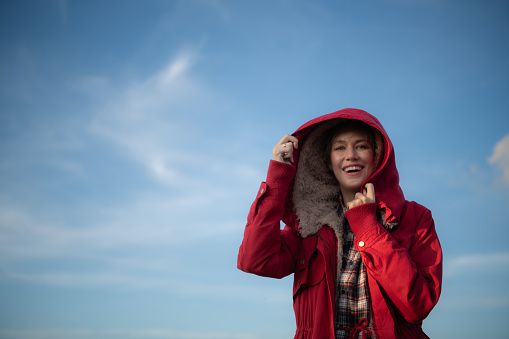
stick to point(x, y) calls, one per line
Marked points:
point(352, 169)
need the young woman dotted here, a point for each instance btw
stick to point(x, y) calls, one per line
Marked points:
point(366, 262)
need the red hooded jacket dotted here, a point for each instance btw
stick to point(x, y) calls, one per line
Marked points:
point(403, 263)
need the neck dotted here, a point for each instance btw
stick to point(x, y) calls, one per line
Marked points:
point(347, 196)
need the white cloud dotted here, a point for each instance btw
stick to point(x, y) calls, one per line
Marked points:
point(500, 157)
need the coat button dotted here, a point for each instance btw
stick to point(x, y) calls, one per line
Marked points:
point(302, 262)
point(361, 244)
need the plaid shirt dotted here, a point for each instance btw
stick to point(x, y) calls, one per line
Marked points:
point(352, 316)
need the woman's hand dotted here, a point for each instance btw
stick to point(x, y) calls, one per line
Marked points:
point(363, 198)
point(283, 151)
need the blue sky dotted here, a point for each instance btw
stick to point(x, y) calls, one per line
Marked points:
point(134, 135)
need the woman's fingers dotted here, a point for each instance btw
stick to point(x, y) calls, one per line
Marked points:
point(370, 192)
point(363, 198)
point(354, 203)
point(283, 151)
point(289, 138)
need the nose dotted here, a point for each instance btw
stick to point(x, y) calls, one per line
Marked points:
point(351, 153)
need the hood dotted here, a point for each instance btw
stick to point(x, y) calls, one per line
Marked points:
point(316, 192)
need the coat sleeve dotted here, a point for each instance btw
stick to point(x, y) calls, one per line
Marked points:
point(411, 275)
point(267, 250)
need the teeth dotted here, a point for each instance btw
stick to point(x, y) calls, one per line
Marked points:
point(352, 168)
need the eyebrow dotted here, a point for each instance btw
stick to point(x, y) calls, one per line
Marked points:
point(355, 142)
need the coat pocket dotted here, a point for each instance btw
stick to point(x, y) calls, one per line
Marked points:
point(310, 271)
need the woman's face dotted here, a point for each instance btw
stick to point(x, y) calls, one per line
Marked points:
point(352, 161)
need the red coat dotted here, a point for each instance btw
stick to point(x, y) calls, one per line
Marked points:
point(404, 267)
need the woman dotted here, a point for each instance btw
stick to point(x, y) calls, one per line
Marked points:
point(367, 263)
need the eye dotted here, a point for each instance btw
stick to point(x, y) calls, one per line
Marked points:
point(363, 146)
point(339, 148)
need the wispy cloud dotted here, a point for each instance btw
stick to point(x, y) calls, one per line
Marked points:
point(154, 333)
point(152, 122)
point(500, 157)
point(63, 11)
point(465, 282)
point(161, 123)
point(146, 119)
point(123, 253)
point(485, 261)
point(148, 221)
point(475, 300)
point(178, 67)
